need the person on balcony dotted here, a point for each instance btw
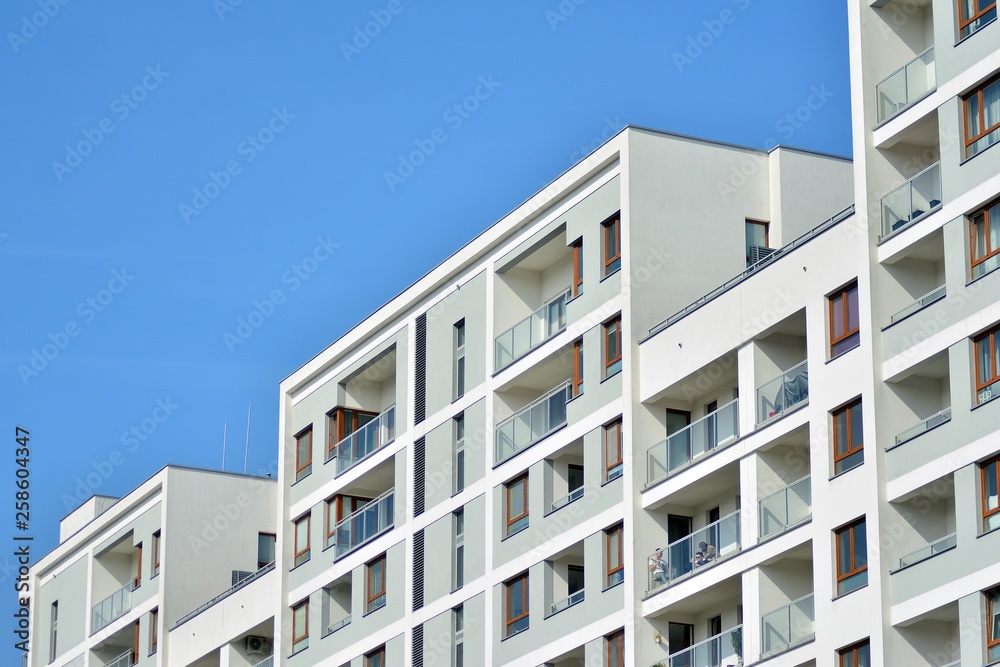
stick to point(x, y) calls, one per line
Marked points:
point(659, 568)
point(706, 554)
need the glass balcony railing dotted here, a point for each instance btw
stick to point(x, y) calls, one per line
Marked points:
point(722, 650)
point(701, 549)
point(922, 302)
point(788, 626)
point(575, 494)
point(531, 423)
point(266, 662)
point(531, 332)
point(123, 660)
point(906, 85)
point(787, 507)
point(712, 431)
point(778, 396)
point(933, 549)
point(367, 440)
point(364, 525)
point(112, 607)
point(937, 419)
point(566, 603)
point(912, 200)
point(342, 623)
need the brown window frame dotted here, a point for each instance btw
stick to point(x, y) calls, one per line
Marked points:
point(296, 552)
point(138, 567)
point(983, 468)
point(369, 598)
point(511, 520)
point(851, 449)
point(852, 650)
point(992, 335)
point(296, 639)
point(577, 368)
point(990, 252)
point(377, 653)
point(617, 637)
point(612, 227)
point(153, 639)
point(615, 425)
point(988, 623)
point(301, 466)
point(577, 267)
point(849, 528)
point(842, 294)
point(508, 585)
point(135, 643)
point(609, 571)
point(155, 570)
point(335, 425)
point(965, 22)
point(612, 327)
point(977, 94)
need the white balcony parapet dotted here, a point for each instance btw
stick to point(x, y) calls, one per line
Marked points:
point(788, 626)
point(364, 525)
point(912, 200)
point(123, 660)
point(365, 441)
point(933, 549)
point(779, 395)
point(936, 419)
point(905, 86)
point(711, 432)
point(686, 556)
point(245, 581)
point(112, 608)
point(531, 332)
point(785, 508)
point(722, 650)
point(566, 603)
point(922, 302)
point(573, 495)
point(531, 423)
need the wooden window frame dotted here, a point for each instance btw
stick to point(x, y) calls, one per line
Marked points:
point(612, 327)
point(296, 551)
point(155, 569)
point(305, 636)
point(613, 227)
point(577, 267)
point(609, 571)
point(508, 586)
point(138, 567)
point(988, 622)
point(617, 637)
point(377, 653)
point(851, 449)
point(135, 643)
point(616, 426)
point(977, 94)
point(984, 512)
point(965, 22)
point(369, 598)
point(852, 650)
point(577, 368)
point(849, 528)
point(842, 294)
point(767, 234)
point(301, 466)
point(992, 335)
point(335, 429)
point(153, 638)
point(990, 252)
point(511, 520)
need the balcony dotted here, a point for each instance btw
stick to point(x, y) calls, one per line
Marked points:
point(367, 440)
point(566, 603)
point(787, 627)
point(922, 302)
point(112, 607)
point(531, 332)
point(570, 497)
point(722, 650)
point(266, 662)
point(933, 549)
point(905, 86)
point(687, 556)
point(364, 525)
point(937, 419)
point(699, 438)
point(245, 581)
point(912, 200)
point(531, 423)
point(783, 393)
point(785, 508)
point(342, 623)
point(123, 660)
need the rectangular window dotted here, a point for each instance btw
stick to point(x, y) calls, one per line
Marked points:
point(613, 450)
point(974, 14)
point(155, 570)
point(300, 626)
point(516, 605)
point(459, 566)
point(53, 630)
point(982, 115)
point(375, 587)
point(135, 643)
point(845, 327)
point(848, 437)
point(459, 379)
point(852, 557)
point(615, 644)
point(578, 267)
point(376, 658)
point(987, 362)
point(458, 467)
point(458, 620)
point(138, 566)
point(612, 347)
point(855, 656)
point(612, 233)
point(265, 549)
point(303, 453)
point(516, 493)
point(993, 625)
point(989, 473)
point(757, 236)
point(302, 550)
point(613, 556)
point(154, 631)
point(984, 240)
point(577, 368)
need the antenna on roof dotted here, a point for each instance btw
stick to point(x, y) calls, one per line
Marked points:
point(246, 449)
point(225, 425)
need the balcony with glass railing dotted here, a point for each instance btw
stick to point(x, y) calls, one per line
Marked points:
point(942, 417)
point(922, 302)
point(123, 660)
point(936, 547)
point(338, 625)
point(697, 552)
point(785, 508)
point(266, 662)
point(570, 497)
point(364, 525)
point(566, 603)
point(912, 200)
point(711, 432)
point(531, 332)
point(788, 626)
point(531, 423)
point(112, 608)
point(722, 650)
point(783, 393)
point(365, 441)
point(906, 85)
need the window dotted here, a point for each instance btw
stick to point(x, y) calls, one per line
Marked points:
point(987, 365)
point(300, 626)
point(974, 14)
point(53, 630)
point(848, 438)
point(990, 479)
point(982, 116)
point(516, 605)
point(138, 566)
point(577, 368)
point(376, 658)
point(302, 551)
point(613, 450)
point(612, 347)
point(517, 504)
point(135, 644)
point(615, 644)
point(612, 232)
point(459, 379)
point(984, 240)
point(852, 557)
point(756, 237)
point(303, 453)
point(458, 621)
point(578, 267)
point(265, 549)
point(993, 625)
point(156, 555)
point(459, 566)
point(375, 587)
point(855, 656)
point(844, 324)
point(153, 630)
point(342, 422)
point(458, 467)
point(613, 556)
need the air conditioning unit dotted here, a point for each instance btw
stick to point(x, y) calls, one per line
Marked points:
point(258, 645)
point(759, 253)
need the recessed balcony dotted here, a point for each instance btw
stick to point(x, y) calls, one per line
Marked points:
point(912, 200)
point(933, 549)
point(364, 525)
point(365, 441)
point(123, 660)
point(905, 86)
point(112, 608)
point(713, 431)
point(788, 626)
point(934, 295)
point(535, 421)
point(694, 553)
point(531, 332)
point(785, 508)
point(783, 393)
point(722, 650)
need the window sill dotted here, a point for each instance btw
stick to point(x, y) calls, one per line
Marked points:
point(612, 274)
point(975, 32)
point(302, 479)
point(978, 278)
point(620, 583)
point(974, 156)
point(515, 633)
point(987, 532)
point(844, 472)
point(608, 377)
point(986, 402)
point(295, 567)
point(844, 595)
point(516, 532)
point(845, 352)
point(372, 611)
point(619, 475)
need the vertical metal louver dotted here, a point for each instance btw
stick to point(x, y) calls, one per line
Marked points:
point(418, 570)
point(420, 374)
point(418, 647)
point(419, 475)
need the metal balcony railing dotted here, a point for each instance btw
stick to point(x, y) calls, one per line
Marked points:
point(531, 423)
point(112, 607)
point(687, 555)
point(364, 442)
point(575, 494)
point(778, 396)
point(566, 603)
point(788, 626)
point(933, 549)
point(364, 525)
point(937, 419)
point(531, 332)
point(912, 200)
point(922, 302)
point(722, 650)
point(123, 660)
point(226, 593)
point(906, 85)
point(787, 507)
point(709, 433)
point(342, 623)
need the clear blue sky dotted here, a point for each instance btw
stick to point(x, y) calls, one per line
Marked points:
point(116, 113)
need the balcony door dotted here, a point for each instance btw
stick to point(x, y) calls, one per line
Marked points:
point(715, 646)
point(679, 448)
point(681, 636)
point(678, 553)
